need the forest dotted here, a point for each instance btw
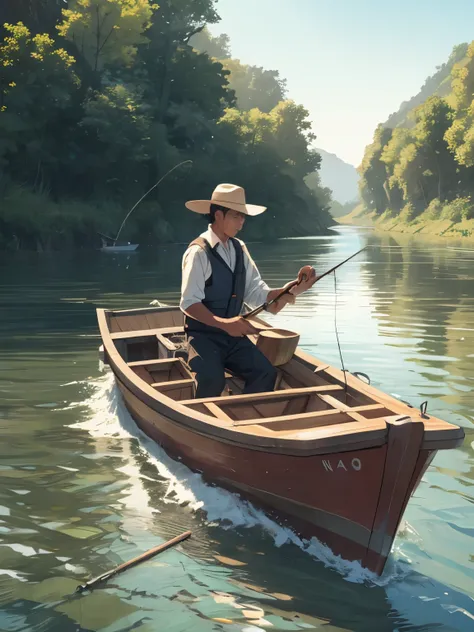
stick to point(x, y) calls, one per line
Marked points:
point(101, 98)
point(420, 165)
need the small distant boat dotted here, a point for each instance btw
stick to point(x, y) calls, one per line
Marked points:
point(325, 453)
point(127, 248)
point(109, 244)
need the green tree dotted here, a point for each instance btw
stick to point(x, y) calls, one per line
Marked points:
point(217, 47)
point(37, 87)
point(272, 159)
point(255, 87)
point(40, 16)
point(324, 194)
point(373, 173)
point(106, 31)
point(462, 82)
point(460, 136)
point(94, 132)
point(117, 140)
point(293, 137)
point(172, 26)
point(393, 186)
point(433, 119)
point(200, 80)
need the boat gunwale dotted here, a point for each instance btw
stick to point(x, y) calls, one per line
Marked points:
point(435, 429)
point(373, 434)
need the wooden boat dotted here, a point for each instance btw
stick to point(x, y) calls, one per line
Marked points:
point(331, 458)
point(112, 246)
point(118, 249)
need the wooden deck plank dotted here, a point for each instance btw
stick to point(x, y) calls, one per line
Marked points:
point(335, 403)
point(257, 397)
point(217, 412)
point(316, 416)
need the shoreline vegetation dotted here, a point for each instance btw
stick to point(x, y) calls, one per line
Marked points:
point(417, 176)
point(423, 225)
point(100, 98)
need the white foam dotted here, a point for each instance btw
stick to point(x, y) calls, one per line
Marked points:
point(27, 551)
point(13, 574)
point(108, 417)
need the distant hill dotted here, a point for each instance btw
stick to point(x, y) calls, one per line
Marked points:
point(438, 84)
point(339, 176)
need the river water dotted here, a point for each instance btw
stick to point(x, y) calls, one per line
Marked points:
point(81, 490)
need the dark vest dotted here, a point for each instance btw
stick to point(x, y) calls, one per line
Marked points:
point(224, 291)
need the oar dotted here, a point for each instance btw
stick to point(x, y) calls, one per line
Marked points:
point(259, 309)
point(136, 560)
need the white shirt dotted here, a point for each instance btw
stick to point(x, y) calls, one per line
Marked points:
point(197, 269)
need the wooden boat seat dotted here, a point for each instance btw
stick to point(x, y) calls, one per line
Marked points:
point(267, 395)
point(158, 362)
point(145, 333)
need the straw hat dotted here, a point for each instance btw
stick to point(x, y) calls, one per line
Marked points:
point(228, 195)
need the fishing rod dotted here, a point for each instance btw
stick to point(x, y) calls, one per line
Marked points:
point(265, 306)
point(149, 191)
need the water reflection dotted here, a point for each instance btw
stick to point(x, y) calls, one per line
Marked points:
point(81, 490)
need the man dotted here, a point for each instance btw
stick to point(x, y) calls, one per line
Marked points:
point(218, 277)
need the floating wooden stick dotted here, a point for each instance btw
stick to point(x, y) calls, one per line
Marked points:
point(136, 560)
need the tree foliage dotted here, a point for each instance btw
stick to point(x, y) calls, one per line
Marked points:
point(106, 31)
point(37, 87)
point(217, 47)
point(429, 162)
point(39, 16)
point(92, 118)
point(254, 86)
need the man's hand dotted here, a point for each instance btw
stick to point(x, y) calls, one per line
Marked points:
point(237, 326)
point(306, 279)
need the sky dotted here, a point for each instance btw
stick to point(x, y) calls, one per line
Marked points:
point(351, 63)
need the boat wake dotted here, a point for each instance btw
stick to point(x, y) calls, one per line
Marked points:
point(106, 416)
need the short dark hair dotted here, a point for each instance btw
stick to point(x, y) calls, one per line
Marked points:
point(213, 210)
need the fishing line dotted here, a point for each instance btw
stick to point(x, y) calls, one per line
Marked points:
point(149, 191)
point(337, 338)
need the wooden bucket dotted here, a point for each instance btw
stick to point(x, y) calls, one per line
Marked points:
point(278, 345)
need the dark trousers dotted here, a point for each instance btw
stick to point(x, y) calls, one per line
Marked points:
point(210, 354)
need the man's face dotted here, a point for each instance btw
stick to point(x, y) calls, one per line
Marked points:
point(231, 223)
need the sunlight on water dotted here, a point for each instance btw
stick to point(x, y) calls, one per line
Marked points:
point(82, 489)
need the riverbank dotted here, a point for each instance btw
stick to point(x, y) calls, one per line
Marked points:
point(33, 221)
point(421, 225)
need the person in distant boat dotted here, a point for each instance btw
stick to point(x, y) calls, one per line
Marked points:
point(219, 276)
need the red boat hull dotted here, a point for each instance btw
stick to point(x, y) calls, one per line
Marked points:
point(352, 501)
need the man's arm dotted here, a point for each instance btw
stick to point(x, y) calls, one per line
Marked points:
point(257, 291)
point(286, 299)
